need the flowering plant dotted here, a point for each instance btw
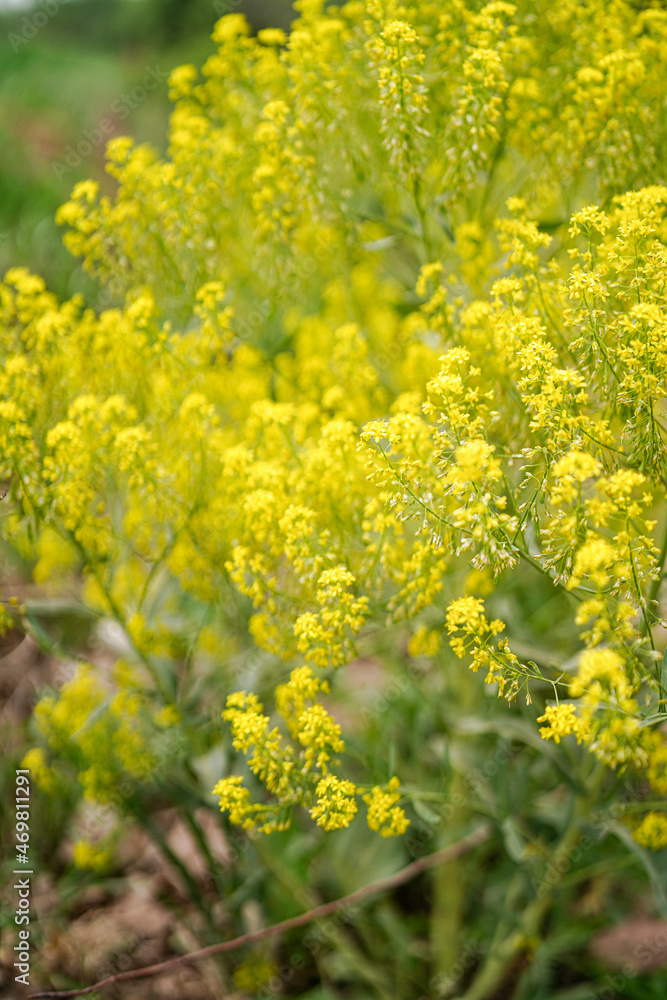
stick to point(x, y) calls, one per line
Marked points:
point(387, 363)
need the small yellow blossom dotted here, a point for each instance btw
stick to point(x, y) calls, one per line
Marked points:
point(384, 815)
point(91, 857)
point(652, 831)
point(562, 720)
point(336, 805)
point(657, 769)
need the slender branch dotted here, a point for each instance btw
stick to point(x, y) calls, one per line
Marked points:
point(655, 586)
point(648, 605)
point(473, 839)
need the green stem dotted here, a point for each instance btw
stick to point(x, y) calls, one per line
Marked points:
point(494, 970)
point(447, 921)
point(655, 586)
point(194, 890)
point(203, 843)
point(428, 249)
point(339, 937)
point(120, 619)
point(648, 603)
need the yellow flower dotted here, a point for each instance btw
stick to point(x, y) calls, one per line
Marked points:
point(332, 371)
point(562, 720)
point(235, 799)
point(43, 776)
point(336, 805)
point(167, 716)
point(570, 472)
point(601, 670)
point(652, 831)
point(474, 463)
point(384, 815)
point(91, 857)
point(657, 769)
point(594, 561)
point(425, 642)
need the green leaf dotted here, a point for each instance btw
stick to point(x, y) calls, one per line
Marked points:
point(514, 842)
point(522, 732)
point(652, 720)
point(425, 812)
point(655, 878)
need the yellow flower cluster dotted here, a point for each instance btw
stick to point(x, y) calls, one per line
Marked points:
point(43, 775)
point(652, 831)
point(91, 857)
point(336, 806)
point(108, 733)
point(8, 614)
point(466, 615)
point(300, 772)
point(472, 634)
point(383, 813)
point(252, 975)
point(396, 58)
point(562, 720)
point(323, 636)
point(425, 642)
point(342, 370)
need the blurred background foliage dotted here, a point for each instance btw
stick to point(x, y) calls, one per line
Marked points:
point(65, 65)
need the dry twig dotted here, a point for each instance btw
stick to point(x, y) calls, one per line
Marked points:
point(478, 836)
